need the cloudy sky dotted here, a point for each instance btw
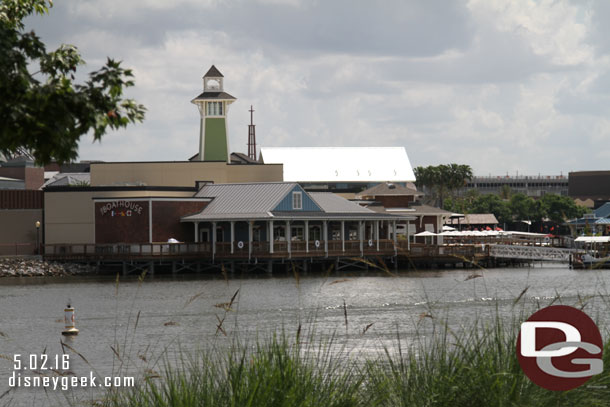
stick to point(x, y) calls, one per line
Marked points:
point(501, 85)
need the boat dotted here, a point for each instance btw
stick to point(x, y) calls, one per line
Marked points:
point(589, 261)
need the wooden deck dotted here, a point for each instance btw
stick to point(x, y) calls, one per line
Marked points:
point(222, 251)
point(320, 252)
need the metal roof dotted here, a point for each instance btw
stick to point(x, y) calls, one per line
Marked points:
point(603, 211)
point(422, 210)
point(244, 199)
point(213, 72)
point(257, 201)
point(341, 164)
point(389, 189)
point(68, 178)
point(214, 96)
point(331, 203)
point(476, 219)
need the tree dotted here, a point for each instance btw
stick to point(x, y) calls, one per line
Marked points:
point(47, 112)
point(442, 180)
point(524, 207)
point(560, 208)
point(490, 203)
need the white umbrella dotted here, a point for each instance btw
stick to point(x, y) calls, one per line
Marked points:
point(425, 233)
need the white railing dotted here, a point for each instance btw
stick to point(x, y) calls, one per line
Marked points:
point(546, 253)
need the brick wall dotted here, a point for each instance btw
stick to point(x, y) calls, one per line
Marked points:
point(166, 220)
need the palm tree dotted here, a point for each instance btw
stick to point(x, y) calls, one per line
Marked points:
point(442, 180)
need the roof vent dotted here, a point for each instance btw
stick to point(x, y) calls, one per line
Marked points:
point(391, 186)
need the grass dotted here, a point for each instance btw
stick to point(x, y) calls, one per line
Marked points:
point(273, 372)
point(475, 367)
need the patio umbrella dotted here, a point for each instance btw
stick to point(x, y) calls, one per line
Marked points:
point(425, 233)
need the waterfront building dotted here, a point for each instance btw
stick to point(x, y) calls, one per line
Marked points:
point(237, 222)
point(70, 209)
point(284, 217)
point(595, 223)
point(396, 199)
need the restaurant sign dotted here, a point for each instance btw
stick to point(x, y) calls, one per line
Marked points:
point(121, 208)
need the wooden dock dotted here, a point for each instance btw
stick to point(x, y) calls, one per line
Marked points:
point(178, 257)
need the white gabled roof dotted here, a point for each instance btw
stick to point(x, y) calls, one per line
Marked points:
point(341, 164)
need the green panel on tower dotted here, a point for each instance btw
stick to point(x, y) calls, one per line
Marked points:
point(215, 148)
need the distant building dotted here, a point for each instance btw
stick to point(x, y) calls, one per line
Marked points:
point(534, 186)
point(395, 199)
point(591, 188)
point(345, 170)
point(475, 221)
point(20, 221)
point(597, 222)
point(20, 173)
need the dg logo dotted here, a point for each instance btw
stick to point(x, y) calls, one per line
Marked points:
point(560, 348)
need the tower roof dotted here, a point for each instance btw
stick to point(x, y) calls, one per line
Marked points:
point(213, 72)
point(214, 96)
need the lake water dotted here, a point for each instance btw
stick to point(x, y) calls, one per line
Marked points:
point(145, 320)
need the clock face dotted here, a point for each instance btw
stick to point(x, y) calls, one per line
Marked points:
point(212, 84)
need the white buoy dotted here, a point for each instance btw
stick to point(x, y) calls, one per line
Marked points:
point(69, 322)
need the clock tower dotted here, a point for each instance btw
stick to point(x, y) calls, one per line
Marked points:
point(213, 106)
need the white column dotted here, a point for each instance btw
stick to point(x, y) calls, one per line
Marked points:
point(377, 233)
point(288, 238)
point(343, 236)
point(325, 228)
point(387, 225)
point(150, 224)
point(250, 233)
point(270, 237)
point(439, 229)
point(394, 235)
point(213, 240)
point(408, 237)
point(306, 236)
point(232, 235)
point(360, 237)
point(196, 232)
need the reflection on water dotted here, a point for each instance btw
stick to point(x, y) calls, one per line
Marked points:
point(142, 322)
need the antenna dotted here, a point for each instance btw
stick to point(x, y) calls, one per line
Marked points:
point(251, 136)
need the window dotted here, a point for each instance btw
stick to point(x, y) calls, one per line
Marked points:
point(278, 233)
point(315, 233)
point(214, 109)
point(297, 233)
point(297, 200)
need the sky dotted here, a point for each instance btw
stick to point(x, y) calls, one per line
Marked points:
point(505, 86)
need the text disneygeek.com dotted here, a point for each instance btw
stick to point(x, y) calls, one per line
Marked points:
point(52, 372)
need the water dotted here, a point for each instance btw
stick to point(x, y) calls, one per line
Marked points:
point(184, 312)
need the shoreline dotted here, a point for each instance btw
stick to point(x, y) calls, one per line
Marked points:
point(36, 267)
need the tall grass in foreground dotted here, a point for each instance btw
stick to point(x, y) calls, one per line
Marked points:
point(477, 367)
point(270, 373)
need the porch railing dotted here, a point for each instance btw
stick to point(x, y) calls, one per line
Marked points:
point(240, 249)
